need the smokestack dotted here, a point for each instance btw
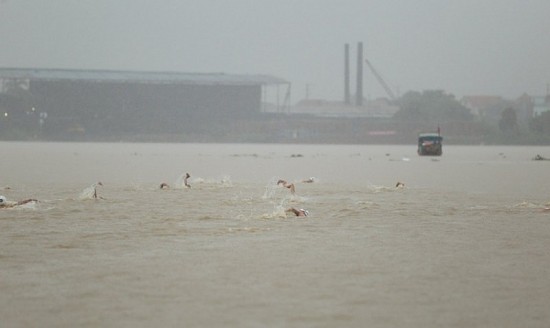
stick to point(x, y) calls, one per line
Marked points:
point(359, 93)
point(347, 99)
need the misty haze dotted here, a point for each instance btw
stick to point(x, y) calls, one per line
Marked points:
point(311, 163)
point(307, 72)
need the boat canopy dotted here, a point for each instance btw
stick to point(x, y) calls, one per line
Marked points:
point(429, 137)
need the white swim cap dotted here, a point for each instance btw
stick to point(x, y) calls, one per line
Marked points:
point(306, 212)
point(2, 199)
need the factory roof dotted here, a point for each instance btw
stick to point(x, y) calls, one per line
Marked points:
point(49, 74)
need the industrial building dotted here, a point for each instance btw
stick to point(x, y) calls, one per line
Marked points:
point(105, 101)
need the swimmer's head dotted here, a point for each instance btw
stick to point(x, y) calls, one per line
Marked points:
point(2, 200)
point(306, 212)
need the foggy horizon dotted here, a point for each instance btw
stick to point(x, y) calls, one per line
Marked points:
point(494, 47)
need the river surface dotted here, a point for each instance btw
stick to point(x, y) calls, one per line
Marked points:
point(466, 242)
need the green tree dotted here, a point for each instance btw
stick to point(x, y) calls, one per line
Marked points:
point(431, 106)
point(540, 124)
point(509, 121)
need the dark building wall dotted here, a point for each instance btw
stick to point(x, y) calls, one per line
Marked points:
point(141, 107)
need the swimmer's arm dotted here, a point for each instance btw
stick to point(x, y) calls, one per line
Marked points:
point(21, 202)
point(293, 210)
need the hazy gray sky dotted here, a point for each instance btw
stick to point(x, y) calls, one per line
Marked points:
point(465, 47)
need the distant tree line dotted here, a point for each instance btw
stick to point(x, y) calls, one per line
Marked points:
point(431, 108)
point(439, 107)
point(434, 106)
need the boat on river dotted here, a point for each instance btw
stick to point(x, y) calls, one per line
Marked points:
point(430, 144)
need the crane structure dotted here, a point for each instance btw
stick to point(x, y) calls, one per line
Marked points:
point(381, 81)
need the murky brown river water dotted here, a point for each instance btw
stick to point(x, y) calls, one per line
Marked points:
point(466, 243)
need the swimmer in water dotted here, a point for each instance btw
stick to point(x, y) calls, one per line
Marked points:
point(310, 180)
point(399, 185)
point(4, 203)
point(164, 185)
point(287, 185)
point(300, 212)
point(187, 176)
point(94, 186)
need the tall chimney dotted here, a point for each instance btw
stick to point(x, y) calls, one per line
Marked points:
point(359, 93)
point(347, 99)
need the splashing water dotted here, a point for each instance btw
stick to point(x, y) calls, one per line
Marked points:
point(30, 205)
point(89, 192)
point(278, 212)
point(526, 204)
point(226, 181)
point(377, 189)
point(270, 188)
